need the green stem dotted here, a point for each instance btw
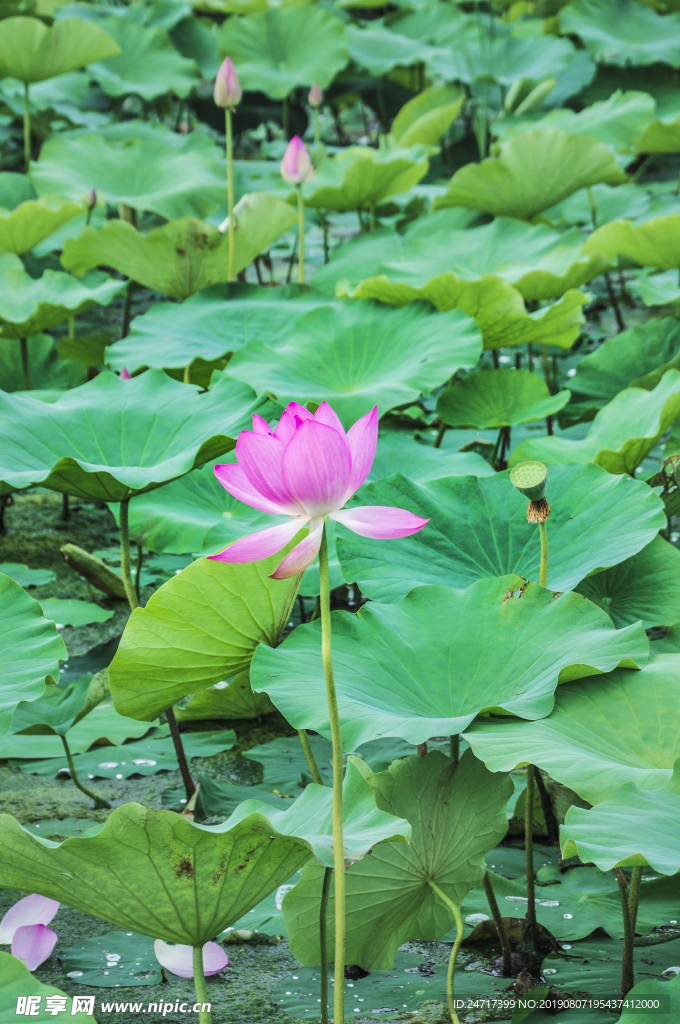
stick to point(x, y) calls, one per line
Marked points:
point(309, 756)
point(454, 742)
point(125, 555)
point(336, 738)
point(529, 846)
point(301, 233)
point(323, 943)
point(71, 327)
point(634, 896)
point(500, 927)
point(199, 985)
point(138, 573)
point(127, 309)
point(189, 785)
point(230, 193)
point(543, 572)
point(285, 117)
point(26, 373)
point(440, 435)
point(99, 801)
point(317, 129)
point(627, 971)
point(27, 129)
point(460, 931)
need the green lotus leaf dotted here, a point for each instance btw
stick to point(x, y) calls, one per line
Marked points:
point(74, 612)
point(31, 650)
point(48, 371)
point(498, 398)
point(199, 628)
point(661, 136)
point(497, 307)
point(644, 588)
point(610, 202)
point(431, 663)
point(18, 981)
point(185, 255)
point(653, 244)
point(32, 221)
point(103, 725)
point(29, 305)
point(26, 577)
point(233, 699)
point(425, 118)
point(56, 711)
point(378, 50)
point(456, 816)
point(622, 434)
point(285, 47)
point(648, 992)
point(477, 529)
point(15, 189)
point(360, 176)
point(148, 63)
point(145, 174)
point(399, 451)
point(89, 959)
point(79, 443)
point(532, 172)
point(358, 355)
point(32, 52)
point(603, 732)
point(207, 327)
point(632, 826)
point(623, 32)
point(657, 289)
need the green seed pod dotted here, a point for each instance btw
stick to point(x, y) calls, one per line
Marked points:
point(530, 478)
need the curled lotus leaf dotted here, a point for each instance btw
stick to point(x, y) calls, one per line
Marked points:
point(498, 398)
point(360, 176)
point(623, 32)
point(148, 63)
point(32, 221)
point(652, 244)
point(32, 52)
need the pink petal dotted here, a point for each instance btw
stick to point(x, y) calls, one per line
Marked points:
point(362, 437)
point(296, 165)
point(262, 460)
point(179, 959)
point(302, 555)
point(261, 426)
point(293, 415)
point(234, 480)
point(316, 468)
point(33, 909)
point(125, 374)
point(33, 943)
point(380, 522)
point(325, 414)
point(261, 544)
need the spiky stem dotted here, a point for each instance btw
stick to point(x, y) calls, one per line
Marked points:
point(301, 233)
point(125, 555)
point(309, 757)
point(230, 193)
point(323, 943)
point(199, 985)
point(460, 931)
point(99, 801)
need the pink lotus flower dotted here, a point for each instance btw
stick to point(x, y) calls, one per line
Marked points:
point(30, 910)
point(33, 943)
point(296, 165)
point(315, 98)
point(307, 468)
point(227, 91)
point(125, 374)
point(179, 959)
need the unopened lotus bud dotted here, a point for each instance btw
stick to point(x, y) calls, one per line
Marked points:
point(125, 374)
point(530, 479)
point(91, 199)
point(315, 98)
point(296, 165)
point(227, 91)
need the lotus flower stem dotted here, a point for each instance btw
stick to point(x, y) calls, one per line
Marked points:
point(25, 369)
point(199, 985)
point(440, 435)
point(64, 507)
point(460, 931)
point(27, 129)
point(634, 896)
point(500, 927)
point(230, 192)
point(71, 327)
point(323, 943)
point(543, 571)
point(336, 737)
point(189, 784)
point(125, 555)
point(99, 801)
point(309, 757)
point(529, 846)
point(138, 573)
point(301, 232)
point(455, 747)
point(627, 972)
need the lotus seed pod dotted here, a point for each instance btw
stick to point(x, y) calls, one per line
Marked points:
point(530, 478)
point(227, 91)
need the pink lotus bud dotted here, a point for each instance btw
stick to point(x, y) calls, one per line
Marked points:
point(32, 909)
point(91, 199)
point(296, 165)
point(315, 98)
point(33, 943)
point(125, 374)
point(227, 91)
point(179, 959)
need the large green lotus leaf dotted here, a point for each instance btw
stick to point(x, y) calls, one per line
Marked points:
point(378, 50)
point(56, 711)
point(485, 51)
point(622, 434)
point(104, 725)
point(632, 826)
point(29, 305)
point(17, 981)
point(360, 176)
point(653, 244)
point(110, 438)
point(358, 355)
point(657, 289)
point(48, 371)
point(478, 528)
point(205, 327)
point(497, 307)
point(185, 255)
point(533, 171)
point(15, 189)
point(148, 64)
point(648, 993)
point(32, 221)
point(30, 646)
point(456, 816)
point(399, 451)
point(539, 262)
point(661, 136)
point(428, 665)
point(644, 588)
point(603, 732)
point(199, 628)
point(624, 32)
point(284, 47)
point(498, 398)
point(32, 52)
point(618, 122)
point(426, 117)
point(144, 174)
point(232, 699)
